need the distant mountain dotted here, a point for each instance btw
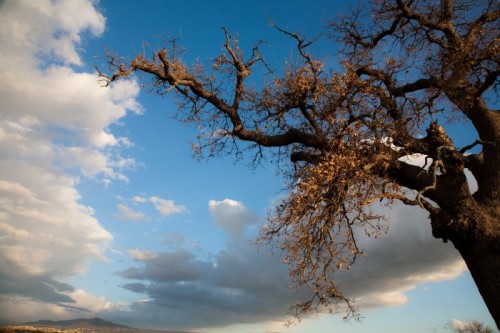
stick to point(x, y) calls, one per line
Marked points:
point(78, 323)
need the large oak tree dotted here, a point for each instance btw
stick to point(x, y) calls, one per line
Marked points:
point(346, 138)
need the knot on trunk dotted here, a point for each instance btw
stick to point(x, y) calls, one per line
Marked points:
point(459, 226)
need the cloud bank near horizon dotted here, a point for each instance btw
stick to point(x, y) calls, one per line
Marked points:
point(245, 284)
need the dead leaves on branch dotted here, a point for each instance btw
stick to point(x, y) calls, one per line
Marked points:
point(339, 136)
point(329, 202)
point(317, 226)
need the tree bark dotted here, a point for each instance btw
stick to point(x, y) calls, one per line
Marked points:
point(483, 260)
point(473, 226)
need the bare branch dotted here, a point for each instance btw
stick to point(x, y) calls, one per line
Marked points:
point(490, 80)
point(341, 137)
point(475, 143)
point(445, 26)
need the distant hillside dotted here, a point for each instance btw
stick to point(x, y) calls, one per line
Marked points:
point(94, 323)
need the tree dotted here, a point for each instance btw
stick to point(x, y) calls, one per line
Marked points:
point(344, 138)
point(473, 326)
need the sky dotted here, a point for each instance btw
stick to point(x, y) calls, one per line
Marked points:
point(105, 213)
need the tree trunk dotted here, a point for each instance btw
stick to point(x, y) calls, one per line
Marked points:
point(483, 260)
point(472, 224)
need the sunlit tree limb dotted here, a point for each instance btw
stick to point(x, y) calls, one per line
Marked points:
point(349, 138)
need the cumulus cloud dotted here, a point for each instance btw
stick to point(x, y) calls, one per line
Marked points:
point(238, 286)
point(46, 232)
point(244, 284)
point(166, 207)
point(231, 215)
point(51, 29)
point(54, 128)
point(405, 257)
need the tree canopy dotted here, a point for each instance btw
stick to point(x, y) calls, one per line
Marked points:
point(345, 138)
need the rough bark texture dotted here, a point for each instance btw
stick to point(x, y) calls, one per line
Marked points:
point(472, 224)
point(483, 260)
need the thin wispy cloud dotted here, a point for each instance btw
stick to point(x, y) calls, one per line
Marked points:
point(130, 214)
point(135, 213)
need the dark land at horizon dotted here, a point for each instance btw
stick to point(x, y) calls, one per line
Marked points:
point(76, 325)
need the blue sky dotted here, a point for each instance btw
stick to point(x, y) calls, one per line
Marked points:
point(104, 211)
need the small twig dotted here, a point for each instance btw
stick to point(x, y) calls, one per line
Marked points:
point(438, 164)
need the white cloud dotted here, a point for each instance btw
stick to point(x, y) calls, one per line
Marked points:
point(130, 214)
point(44, 206)
point(231, 215)
point(405, 257)
point(19, 309)
point(54, 127)
point(166, 207)
point(47, 27)
point(139, 255)
point(455, 323)
point(139, 199)
point(240, 284)
point(92, 303)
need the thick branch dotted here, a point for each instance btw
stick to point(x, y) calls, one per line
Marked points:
point(411, 176)
point(291, 136)
point(385, 33)
point(304, 156)
point(475, 164)
point(420, 84)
